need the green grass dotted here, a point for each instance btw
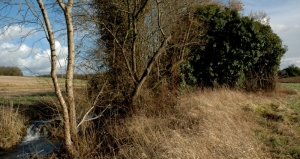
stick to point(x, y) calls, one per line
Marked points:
point(27, 99)
point(61, 81)
point(294, 86)
point(280, 131)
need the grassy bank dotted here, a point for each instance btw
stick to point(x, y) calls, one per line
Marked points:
point(214, 124)
point(204, 124)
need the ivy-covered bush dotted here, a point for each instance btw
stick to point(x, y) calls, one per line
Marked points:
point(238, 52)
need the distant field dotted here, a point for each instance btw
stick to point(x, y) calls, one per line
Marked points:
point(14, 85)
point(290, 80)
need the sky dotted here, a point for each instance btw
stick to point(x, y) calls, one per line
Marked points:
point(285, 22)
point(32, 56)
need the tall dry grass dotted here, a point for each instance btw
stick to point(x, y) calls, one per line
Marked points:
point(203, 124)
point(220, 123)
point(12, 126)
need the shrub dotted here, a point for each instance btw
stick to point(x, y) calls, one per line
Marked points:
point(238, 51)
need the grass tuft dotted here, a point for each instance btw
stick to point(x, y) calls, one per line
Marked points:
point(12, 126)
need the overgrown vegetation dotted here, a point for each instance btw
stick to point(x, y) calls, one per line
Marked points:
point(209, 123)
point(12, 126)
point(10, 71)
point(203, 124)
point(148, 52)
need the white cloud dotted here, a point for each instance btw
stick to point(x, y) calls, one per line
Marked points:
point(281, 28)
point(285, 62)
point(15, 32)
point(31, 60)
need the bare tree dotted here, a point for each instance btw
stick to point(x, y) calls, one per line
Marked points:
point(235, 4)
point(40, 18)
point(135, 36)
point(260, 16)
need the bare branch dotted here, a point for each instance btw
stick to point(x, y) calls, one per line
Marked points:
point(93, 106)
point(61, 4)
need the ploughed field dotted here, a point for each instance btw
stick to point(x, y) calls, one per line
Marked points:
point(15, 85)
point(290, 80)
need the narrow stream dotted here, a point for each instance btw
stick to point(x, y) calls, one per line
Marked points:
point(36, 143)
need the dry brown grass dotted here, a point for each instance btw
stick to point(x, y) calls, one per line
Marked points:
point(219, 123)
point(204, 124)
point(12, 126)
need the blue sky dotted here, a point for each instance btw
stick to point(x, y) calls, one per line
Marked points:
point(285, 22)
point(32, 56)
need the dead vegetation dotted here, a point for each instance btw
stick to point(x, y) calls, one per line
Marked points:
point(12, 126)
point(203, 124)
point(219, 123)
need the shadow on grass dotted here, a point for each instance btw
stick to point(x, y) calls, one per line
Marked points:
point(35, 106)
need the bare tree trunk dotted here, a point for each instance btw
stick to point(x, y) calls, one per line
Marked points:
point(70, 68)
point(147, 71)
point(66, 119)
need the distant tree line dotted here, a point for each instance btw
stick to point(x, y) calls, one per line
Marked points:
point(291, 71)
point(10, 71)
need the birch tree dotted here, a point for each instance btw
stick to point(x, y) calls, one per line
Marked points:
point(35, 13)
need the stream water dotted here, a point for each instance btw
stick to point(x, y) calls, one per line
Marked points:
point(36, 142)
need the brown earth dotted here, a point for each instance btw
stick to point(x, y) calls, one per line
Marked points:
point(15, 85)
point(290, 80)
